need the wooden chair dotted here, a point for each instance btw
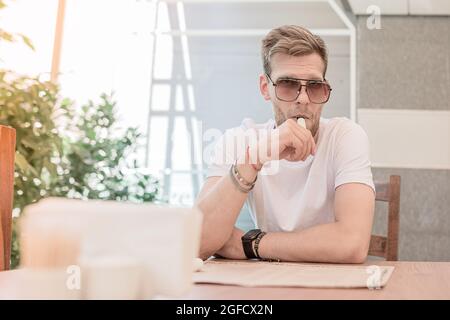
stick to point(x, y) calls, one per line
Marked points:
point(387, 247)
point(7, 151)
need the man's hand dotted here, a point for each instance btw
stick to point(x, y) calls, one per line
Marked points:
point(233, 247)
point(295, 143)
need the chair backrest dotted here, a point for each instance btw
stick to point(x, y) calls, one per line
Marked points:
point(387, 247)
point(7, 151)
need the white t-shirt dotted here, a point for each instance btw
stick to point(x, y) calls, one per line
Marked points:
point(301, 194)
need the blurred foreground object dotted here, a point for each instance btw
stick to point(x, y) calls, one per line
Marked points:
point(118, 250)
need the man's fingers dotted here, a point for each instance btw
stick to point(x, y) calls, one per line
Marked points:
point(297, 149)
point(311, 142)
point(307, 140)
point(300, 139)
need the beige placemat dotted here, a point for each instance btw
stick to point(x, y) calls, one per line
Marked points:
point(281, 274)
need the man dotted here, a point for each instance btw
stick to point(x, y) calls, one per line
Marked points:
point(318, 205)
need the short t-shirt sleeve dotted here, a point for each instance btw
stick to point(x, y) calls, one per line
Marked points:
point(352, 157)
point(219, 160)
point(229, 147)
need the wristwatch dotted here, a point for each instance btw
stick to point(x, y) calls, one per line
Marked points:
point(247, 243)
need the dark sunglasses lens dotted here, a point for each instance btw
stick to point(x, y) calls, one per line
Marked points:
point(287, 89)
point(318, 92)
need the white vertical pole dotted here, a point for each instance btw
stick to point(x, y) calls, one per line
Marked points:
point(57, 44)
point(340, 13)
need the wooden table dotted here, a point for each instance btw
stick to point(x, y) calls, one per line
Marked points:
point(410, 280)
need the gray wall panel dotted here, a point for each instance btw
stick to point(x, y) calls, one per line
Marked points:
point(404, 65)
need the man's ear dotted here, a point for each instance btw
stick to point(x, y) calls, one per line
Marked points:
point(264, 86)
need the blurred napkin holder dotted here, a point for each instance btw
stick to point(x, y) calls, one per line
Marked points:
point(164, 240)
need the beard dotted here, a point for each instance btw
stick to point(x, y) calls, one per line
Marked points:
point(312, 124)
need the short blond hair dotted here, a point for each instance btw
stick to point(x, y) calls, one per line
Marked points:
point(292, 40)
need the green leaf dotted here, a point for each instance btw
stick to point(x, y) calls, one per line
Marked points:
point(27, 41)
point(23, 164)
point(6, 36)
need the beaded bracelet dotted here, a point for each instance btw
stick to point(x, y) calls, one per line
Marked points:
point(241, 179)
point(236, 182)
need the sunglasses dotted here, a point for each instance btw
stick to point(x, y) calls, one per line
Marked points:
point(288, 89)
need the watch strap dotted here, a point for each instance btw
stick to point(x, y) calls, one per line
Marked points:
point(258, 239)
point(247, 244)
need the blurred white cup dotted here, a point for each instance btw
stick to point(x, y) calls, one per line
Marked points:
point(111, 278)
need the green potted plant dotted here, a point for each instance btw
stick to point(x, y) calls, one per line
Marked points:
point(69, 152)
point(98, 161)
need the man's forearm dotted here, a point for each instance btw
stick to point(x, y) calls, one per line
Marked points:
point(221, 207)
point(333, 243)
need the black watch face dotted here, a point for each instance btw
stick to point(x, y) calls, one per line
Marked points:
point(252, 234)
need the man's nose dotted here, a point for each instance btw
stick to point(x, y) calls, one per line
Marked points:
point(303, 96)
